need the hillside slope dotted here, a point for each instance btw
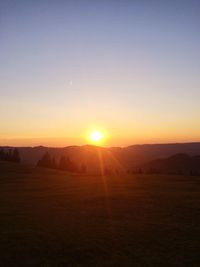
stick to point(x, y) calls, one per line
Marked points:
point(114, 158)
point(177, 164)
point(51, 218)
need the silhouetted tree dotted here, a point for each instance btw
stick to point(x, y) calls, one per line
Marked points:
point(67, 164)
point(72, 166)
point(2, 154)
point(15, 156)
point(53, 163)
point(45, 161)
point(62, 163)
point(9, 155)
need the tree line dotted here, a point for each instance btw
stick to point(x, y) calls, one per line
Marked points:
point(191, 172)
point(64, 163)
point(11, 155)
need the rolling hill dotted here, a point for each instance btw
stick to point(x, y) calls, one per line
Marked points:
point(115, 158)
point(176, 164)
point(53, 218)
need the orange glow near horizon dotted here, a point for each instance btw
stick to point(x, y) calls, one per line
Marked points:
point(110, 135)
point(107, 140)
point(95, 71)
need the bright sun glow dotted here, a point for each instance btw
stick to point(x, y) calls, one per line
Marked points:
point(96, 136)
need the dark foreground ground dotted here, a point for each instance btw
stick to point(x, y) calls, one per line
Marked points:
point(50, 218)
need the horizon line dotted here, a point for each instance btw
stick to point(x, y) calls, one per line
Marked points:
point(93, 145)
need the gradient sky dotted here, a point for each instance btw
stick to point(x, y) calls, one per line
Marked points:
point(131, 68)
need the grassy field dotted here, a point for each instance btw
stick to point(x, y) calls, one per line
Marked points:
point(50, 218)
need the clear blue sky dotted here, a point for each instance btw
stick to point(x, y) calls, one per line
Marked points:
point(131, 68)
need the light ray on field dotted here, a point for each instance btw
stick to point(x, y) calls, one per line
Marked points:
point(106, 194)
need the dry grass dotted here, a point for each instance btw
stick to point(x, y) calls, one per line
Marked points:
point(50, 218)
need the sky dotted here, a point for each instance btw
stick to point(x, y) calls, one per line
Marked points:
point(127, 68)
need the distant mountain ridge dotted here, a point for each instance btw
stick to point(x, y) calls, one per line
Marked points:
point(176, 164)
point(117, 158)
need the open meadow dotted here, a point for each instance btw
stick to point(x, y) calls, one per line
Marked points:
point(51, 218)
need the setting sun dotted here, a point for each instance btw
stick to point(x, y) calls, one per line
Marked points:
point(96, 136)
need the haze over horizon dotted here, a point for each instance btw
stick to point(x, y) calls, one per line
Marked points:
point(127, 68)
